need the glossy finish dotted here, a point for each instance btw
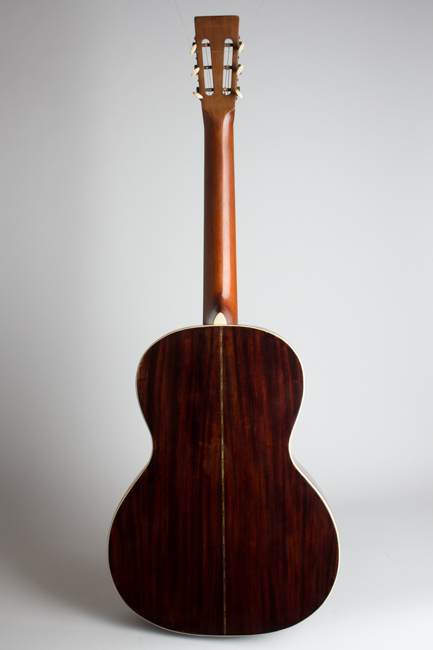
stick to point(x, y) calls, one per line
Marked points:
point(221, 534)
point(219, 279)
point(220, 283)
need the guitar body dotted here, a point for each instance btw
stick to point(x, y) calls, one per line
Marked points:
point(221, 534)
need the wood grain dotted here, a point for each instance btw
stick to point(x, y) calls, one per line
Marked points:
point(166, 542)
point(281, 543)
point(220, 279)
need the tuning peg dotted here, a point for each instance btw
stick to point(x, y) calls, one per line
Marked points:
point(241, 46)
point(193, 49)
point(194, 72)
point(239, 70)
point(198, 95)
point(238, 93)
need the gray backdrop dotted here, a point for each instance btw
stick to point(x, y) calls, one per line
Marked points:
point(101, 211)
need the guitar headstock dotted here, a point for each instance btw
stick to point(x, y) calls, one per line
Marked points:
point(217, 47)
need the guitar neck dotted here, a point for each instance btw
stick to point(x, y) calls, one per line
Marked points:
point(219, 286)
point(217, 44)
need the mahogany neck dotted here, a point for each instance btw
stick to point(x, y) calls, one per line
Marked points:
point(220, 285)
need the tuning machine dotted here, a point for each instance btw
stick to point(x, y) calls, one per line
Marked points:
point(196, 70)
point(239, 70)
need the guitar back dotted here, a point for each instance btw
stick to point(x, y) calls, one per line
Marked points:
point(221, 534)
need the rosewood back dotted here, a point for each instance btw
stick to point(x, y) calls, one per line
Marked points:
point(221, 534)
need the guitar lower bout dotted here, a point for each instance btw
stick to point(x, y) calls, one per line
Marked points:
point(222, 534)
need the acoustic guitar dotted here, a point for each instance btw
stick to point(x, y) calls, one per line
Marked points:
point(221, 534)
